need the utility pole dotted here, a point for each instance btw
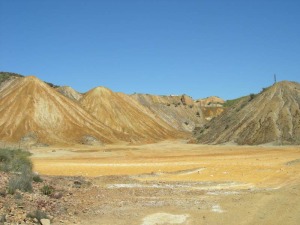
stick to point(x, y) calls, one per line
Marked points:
point(275, 79)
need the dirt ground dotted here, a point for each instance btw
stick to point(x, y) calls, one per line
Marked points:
point(178, 183)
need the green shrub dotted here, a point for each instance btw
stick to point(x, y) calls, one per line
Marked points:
point(22, 165)
point(38, 214)
point(47, 190)
point(5, 155)
point(5, 167)
point(252, 96)
point(15, 161)
point(5, 159)
point(36, 178)
point(20, 182)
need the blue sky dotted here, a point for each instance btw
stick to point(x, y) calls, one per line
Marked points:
point(201, 48)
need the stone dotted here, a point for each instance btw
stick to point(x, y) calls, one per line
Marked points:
point(45, 222)
point(57, 195)
point(50, 217)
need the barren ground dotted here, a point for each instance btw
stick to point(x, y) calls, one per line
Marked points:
point(178, 183)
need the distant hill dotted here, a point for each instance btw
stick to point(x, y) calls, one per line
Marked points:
point(33, 112)
point(120, 112)
point(69, 92)
point(179, 111)
point(272, 116)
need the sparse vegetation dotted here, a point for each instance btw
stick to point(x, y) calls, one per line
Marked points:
point(38, 214)
point(12, 160)
point(47, 190)
point(232, 102)
point(252, 96)
point(22, 182)
point(36, 178)
point(6, 75)
point(18, 163)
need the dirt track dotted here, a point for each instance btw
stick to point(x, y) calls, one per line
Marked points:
point(177, 183)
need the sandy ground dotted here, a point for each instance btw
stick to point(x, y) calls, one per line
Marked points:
point(178, 183)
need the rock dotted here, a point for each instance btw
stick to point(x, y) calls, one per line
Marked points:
point(90, 140)
point(45, 222)
point(57, 195)
point(50, 217)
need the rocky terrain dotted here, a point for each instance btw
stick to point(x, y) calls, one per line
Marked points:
point(272, 116)
point(36, 207)
point(162, 183)
point(180, 112)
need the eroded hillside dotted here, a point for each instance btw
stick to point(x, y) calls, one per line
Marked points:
point(271, 116)
point(70, 93)
point(180, 112)
point(35, 113)
point(122, 113)
point(31, 111)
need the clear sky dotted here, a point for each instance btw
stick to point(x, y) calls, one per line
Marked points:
point(227, 48)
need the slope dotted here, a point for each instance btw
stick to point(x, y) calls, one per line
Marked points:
point(209, 101)
point(271, 116)
point(180, 112)
point(69, 93)
point(31, 110)
point(126, 115)
point(7, 77)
